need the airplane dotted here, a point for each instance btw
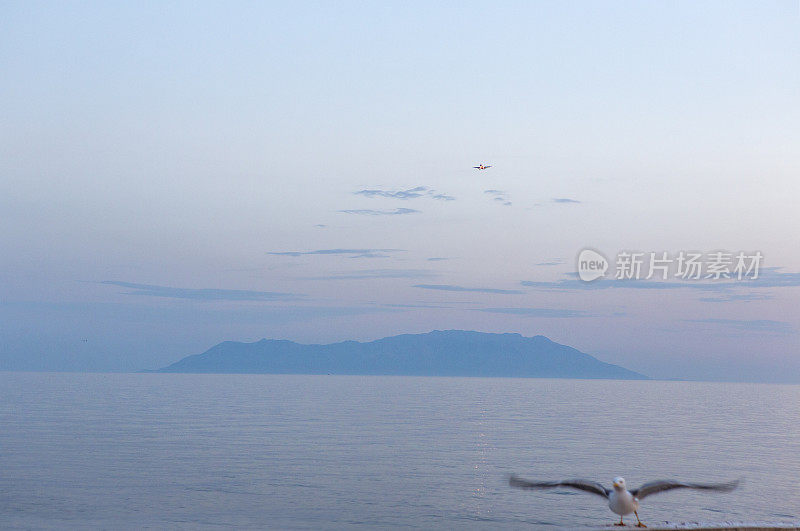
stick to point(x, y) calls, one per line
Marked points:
point(481, 167)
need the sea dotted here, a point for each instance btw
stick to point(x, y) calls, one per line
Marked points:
point(184, 451)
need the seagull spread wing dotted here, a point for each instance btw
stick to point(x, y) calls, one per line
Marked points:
point(655, 487)
point(580, 484)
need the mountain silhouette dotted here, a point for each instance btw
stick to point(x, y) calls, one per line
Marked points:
point(437, 353)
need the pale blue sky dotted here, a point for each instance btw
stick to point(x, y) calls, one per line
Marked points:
point(155, 156)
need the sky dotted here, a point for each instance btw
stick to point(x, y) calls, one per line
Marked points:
point(177, 174)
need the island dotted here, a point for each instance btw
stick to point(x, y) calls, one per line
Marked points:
point(436, 353)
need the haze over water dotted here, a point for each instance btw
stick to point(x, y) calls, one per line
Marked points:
point(312, 452)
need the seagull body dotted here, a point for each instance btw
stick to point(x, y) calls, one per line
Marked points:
point(621, 500)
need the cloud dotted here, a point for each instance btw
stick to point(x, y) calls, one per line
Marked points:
point(364, 274)
point(537, 312)
point(150, 290)
point(769, 277)
point(444, 305)
point(437, 259)
point(742, 297)
point(448, 287)
point(499, 196)
point(369, 212)
point(321, 226)
point(203, 314)
point(565, 200)
point(354, 253)
point(571, 283)
point(757, 325)
point(551, 263)
point(371, 255)
point(421, 306)
point(411, 193)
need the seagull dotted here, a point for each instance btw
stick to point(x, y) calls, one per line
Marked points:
point(621, 500)
point(481, 167)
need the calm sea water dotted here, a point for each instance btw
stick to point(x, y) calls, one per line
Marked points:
point(328, 452)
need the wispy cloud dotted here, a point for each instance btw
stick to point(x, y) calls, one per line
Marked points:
point(448, 287)
point(499, 196)
point(421, 306)
point(448, 304)
point(769, 278)
point(364, 274)
point(551, 263)
point(210, 315)
point(565, 200)
point(537, 312)
point(740, 297)
point(772, 277)
point(411, 193)
point(150, 290)
point(352, 253)
point(756, 325)
point(371, 255)
point(572, 283)
point(437, 259)
point(369, 212)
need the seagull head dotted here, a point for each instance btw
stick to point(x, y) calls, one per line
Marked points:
point(619, 483)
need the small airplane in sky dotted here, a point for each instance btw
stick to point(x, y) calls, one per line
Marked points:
point(481, 167)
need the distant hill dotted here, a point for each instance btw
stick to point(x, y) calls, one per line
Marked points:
point(437, 353)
